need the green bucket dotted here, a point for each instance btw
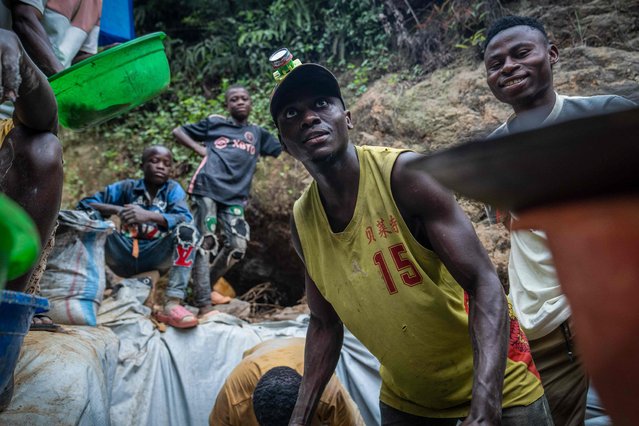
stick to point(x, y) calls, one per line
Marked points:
point(19, 241)
point(112, 82)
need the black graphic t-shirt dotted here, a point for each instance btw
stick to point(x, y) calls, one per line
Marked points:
point(232, 151)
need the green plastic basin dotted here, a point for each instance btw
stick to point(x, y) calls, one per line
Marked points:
point(112, 82)
point(19, 241)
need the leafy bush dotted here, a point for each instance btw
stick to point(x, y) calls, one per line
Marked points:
point(432, 34)
point(212, 47)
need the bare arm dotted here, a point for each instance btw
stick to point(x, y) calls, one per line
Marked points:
point(27, 24)
point(439, 223)
point(107, 210)
point(26, 86)
point(323, 343)
point(184, 139)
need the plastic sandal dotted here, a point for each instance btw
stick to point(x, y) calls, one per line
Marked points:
point(176, 317)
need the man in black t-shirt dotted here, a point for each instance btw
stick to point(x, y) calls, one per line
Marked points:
point(219, 190)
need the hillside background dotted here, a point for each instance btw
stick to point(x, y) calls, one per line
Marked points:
point(412, 76)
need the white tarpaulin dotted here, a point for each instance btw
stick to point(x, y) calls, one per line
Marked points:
point(167, 378)
point(64, 378)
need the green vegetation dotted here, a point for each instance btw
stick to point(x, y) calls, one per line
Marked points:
point(213, 44)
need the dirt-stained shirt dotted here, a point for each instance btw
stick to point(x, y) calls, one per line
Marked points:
point(234, 404)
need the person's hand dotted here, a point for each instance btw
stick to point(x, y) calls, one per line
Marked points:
point(480, 420)
point(11, 53)
point(132, 214)
point(468, 421)
point(22, 83)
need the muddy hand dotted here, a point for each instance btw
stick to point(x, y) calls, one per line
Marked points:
point(11, 52)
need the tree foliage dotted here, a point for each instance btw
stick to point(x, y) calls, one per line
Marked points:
point(214, 43)
point(212, 40)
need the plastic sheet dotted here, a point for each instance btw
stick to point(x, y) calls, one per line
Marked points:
point(64, 378)
point(173, 378)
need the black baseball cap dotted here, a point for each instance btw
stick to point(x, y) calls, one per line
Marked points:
point(305, 75)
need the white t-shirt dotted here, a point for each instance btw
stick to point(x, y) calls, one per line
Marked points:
point(535, 291)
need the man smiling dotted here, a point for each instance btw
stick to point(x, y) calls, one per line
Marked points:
point(519, 62)
point(389, 253)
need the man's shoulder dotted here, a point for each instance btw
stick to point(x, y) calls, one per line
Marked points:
point(214, 119)
point(257, 128)
point(173, 183)
point(499, 131)
point(175, 187)
point(125, 183)
point(378, 149)
point(123, 190)
point(382, 159)
point(379, 154)
point(209, 119)
point(304, 198)
point(575, 105)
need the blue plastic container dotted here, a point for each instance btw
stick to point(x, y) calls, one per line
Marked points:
point(16, 312)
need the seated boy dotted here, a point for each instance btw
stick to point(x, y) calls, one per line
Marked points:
point(155, 232)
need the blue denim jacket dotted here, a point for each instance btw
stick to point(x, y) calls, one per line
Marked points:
point(170, 200)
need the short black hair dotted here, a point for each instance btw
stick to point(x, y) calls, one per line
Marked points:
point(150, 149)
point(513, 21)
point(233, 87)
point(275, 395)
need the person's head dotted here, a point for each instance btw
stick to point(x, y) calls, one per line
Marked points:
point(275, 395)
point(519, 59)
point(156, 164)
point(309, 112)
point(238, 103)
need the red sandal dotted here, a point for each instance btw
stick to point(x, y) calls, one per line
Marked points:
point(177, 317)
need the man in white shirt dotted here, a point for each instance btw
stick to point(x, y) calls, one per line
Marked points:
point(519, 60)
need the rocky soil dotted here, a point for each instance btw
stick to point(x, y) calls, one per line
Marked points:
point(599, 54)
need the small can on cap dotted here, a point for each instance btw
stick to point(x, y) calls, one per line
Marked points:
point(282, 62)
point(291, 74)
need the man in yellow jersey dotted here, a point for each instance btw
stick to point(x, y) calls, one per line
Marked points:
point(262, 390)
point(30, 153)
point(390, 255)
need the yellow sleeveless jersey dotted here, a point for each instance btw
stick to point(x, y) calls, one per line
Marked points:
point(6, 126)
point(400, 301)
